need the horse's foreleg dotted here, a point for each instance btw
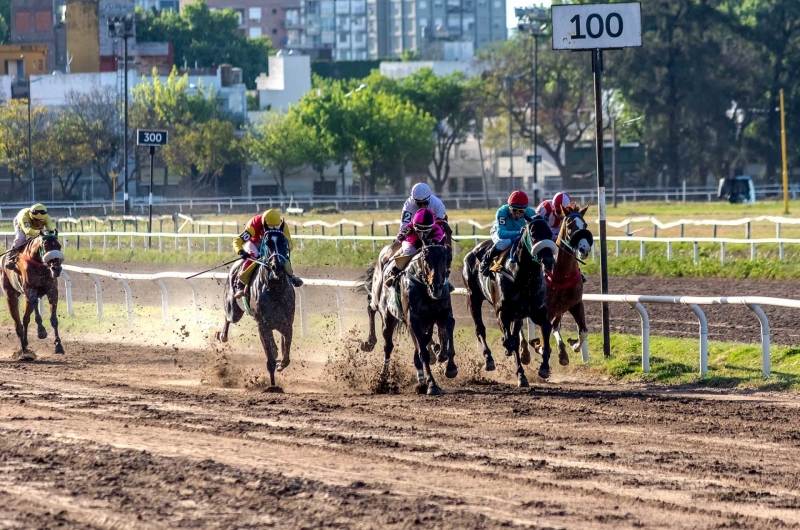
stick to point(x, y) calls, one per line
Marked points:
point(422, 357)
point(446, 334)
point(546, 328)
point(12, 299)
point(578, 312)
point(525, 354)
point(563, 356)
point(369, 345)
point(515, 331)
point(270, 350)
point(52, 298)
point(37, 316)
point(286, 345)
point(475, 304)
point(26, 320)
point(389, 323)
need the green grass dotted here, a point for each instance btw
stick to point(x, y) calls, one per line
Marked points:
point(677, 361)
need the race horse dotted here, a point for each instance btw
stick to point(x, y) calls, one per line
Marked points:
point(516, 291)
point(564, 283)
point(35, 276)
point(418, 300)
point(273, 301)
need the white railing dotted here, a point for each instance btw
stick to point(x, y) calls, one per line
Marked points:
point(635, 301)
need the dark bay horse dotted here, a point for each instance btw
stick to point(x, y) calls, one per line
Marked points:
point(35, 276)
point(516, 293)
point(271, 301)
point(564, 284)
point(419, 300)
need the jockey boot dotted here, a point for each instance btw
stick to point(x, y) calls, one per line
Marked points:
point(450, 286)
point(241, 290)
point(297, 282)
point(11, 262)
point(486, 263)
point(583, 277)
point(392, 277)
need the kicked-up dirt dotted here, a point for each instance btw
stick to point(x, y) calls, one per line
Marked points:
point(129, 436)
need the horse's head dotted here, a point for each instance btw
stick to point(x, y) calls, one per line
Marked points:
point(434, 270)
point(277, 252)
point(49, 250)
point(575, 231)
point(538, 243)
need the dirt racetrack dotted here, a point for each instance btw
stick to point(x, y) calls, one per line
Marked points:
point(137, 429)
point(117, 435)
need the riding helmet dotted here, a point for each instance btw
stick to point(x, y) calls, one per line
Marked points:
point(420, 192)
point(38, 212)
point(561, 200)
point(423, 221)
point(518, 200)
point(272, 218)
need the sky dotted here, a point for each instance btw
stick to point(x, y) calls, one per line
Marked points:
point(511, 20)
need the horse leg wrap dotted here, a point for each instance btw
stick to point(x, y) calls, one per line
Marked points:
point(420, 375)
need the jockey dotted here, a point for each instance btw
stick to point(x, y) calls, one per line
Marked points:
point(421, 197)
point(423, 230)
point(551, 211)
point(27, 224)
point(508, 225)
point(248, 246)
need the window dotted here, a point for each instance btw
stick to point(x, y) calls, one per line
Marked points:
point(274, 31)
point(423, 5)
point(437, 22)
point(274, 11)
point(255, 32)
point(359, 38)
point(438, 5)
point(255, 14)
point(342, 37)
point(44, 21)
point(452, 185)
point(41, 65)
point(240, 14)
point(23, 21)
point(423, 22)
point(497, 4)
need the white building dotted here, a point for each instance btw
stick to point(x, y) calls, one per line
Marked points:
point(288, 80)
point(399, 70)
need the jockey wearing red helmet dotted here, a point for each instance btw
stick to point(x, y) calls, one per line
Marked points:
point(423, 230)
point(509, 222)
point(551, 211)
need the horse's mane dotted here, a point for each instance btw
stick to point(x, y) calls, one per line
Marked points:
point(572, 207)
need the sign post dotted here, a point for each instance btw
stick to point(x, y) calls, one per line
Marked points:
point(151, 139)
point(595, 27)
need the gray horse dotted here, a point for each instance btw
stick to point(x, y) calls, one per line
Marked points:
point(271, 301)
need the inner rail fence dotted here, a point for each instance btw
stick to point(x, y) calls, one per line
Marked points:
point(301, 202)
point(637, 302)
point(221, 243)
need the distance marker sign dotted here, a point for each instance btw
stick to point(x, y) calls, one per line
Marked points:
point(151, 138)
point(597, 26)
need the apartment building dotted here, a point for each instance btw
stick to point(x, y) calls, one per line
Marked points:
point(159, 5)
point(258, 18)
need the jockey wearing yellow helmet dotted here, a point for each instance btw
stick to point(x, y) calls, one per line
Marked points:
point(248, 243)
point(27, 224)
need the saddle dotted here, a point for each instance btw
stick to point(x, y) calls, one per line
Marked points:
point(497, 265)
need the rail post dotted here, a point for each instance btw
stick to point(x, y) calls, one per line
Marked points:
point(98, 289)
point(619, 246)
point(762, 318)
point(128, 301)
point(722, 253)
point(164, 302)
point(696, 252)
point(701, 317)
point(752, 251)
point(340, 310)
point(195, 302)
point(68, 292)
point(303, 311)
point(645, 335)
point(669, 250)
point(641, 250)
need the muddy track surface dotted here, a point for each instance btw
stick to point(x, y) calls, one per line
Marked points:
point(125, 436)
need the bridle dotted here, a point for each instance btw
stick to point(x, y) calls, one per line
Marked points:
point(565, 245)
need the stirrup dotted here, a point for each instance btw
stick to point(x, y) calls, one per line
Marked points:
point(240, 292)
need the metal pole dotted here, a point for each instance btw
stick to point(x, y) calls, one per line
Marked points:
point(150, 221)
point(510, 152)
point(614, 159)
point(30, 143)
point(126, 204)
point(783, 150)
point(536, 198)
point(597, 67)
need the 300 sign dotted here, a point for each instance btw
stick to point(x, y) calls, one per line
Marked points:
point(151, 137)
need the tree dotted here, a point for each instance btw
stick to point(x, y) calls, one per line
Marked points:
point(202, 151)
point(565, 91)
point(14, 137)
point(206, 38)
point(95, 115)
point(66, 151)
point(278, 144)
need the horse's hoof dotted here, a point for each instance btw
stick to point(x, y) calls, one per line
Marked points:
point(220, 337)
point(367, 346)
point(544, 372)
point(563, 358)
point(522, 381)
point(59, 349)
point(273, 390)
point(536, 343)
point(525, 357)
point(489, 366)
point(281, 366)
point(42, 333)
point(575, 345)
point(437, 349)
point(434, 390)
point(422, 388)
point(509, 353)
point(452, 371)
point(442, 356)
point(24, 355)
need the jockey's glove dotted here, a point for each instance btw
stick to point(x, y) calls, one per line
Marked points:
point(243, 253)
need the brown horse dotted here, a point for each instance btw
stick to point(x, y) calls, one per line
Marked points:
point(34, 276)
point(564, 284)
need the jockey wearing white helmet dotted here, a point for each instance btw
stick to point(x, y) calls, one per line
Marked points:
point(421, 197)
point(551, 210)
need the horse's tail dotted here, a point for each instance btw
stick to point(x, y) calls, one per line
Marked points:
point(368, 278)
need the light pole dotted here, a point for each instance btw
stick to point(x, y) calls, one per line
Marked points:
point(121, 26)
point(535, 24)
point(30, 135)
point(510, 84)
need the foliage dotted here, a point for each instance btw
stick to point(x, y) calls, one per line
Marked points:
point(278, 144)
point(5, 21)
point(206, 38)
point(201, 151)
point(344, 70)
point(14, 125)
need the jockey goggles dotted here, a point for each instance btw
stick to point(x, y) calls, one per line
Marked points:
point(517, 210)
point(39, 212)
